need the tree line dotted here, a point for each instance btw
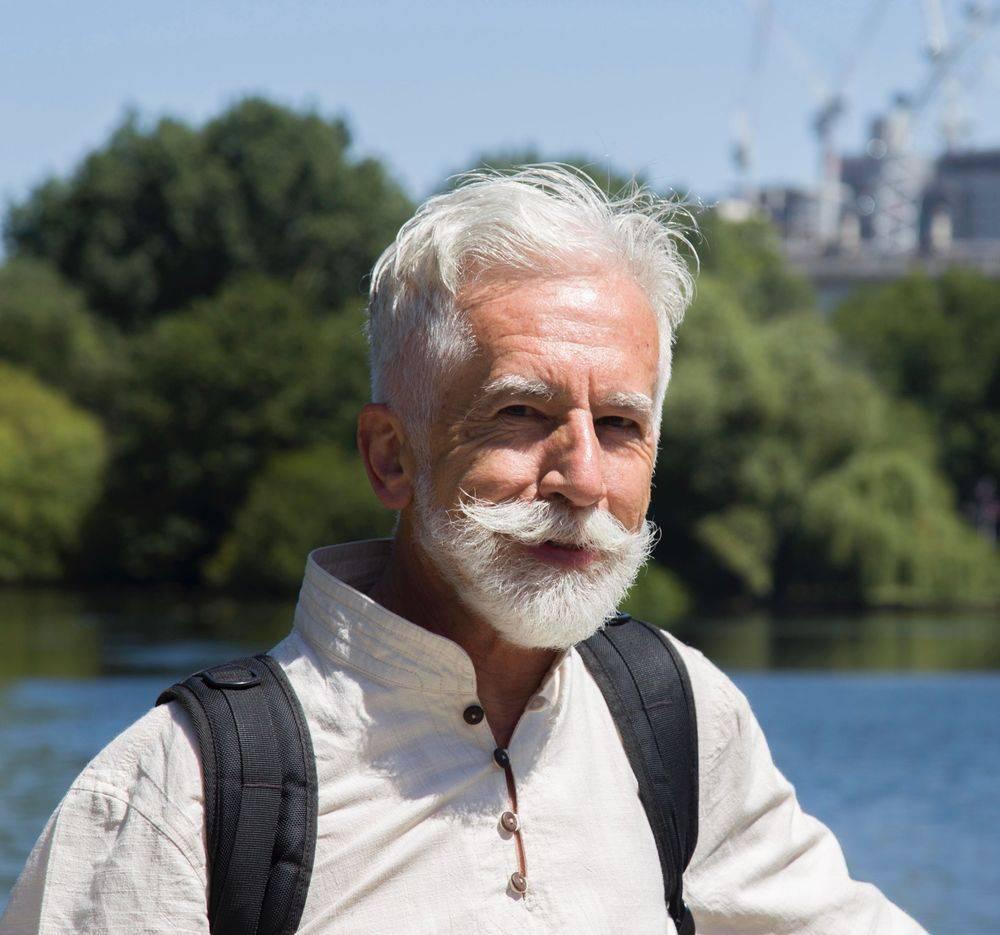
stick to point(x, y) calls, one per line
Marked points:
point(182, 359)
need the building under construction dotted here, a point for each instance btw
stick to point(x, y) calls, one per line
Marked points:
point(879, 212)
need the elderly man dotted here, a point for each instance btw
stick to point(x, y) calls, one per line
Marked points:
point(470, 775)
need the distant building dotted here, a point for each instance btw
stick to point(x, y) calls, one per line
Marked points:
point(893, 211)
point(963, 199)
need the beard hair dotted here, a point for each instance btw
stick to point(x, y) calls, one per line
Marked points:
point(477, 548)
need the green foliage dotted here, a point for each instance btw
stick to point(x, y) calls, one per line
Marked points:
point(884, 523)
point(743, 539)
point(746, 256)
point(161, 216)
point(937, 343)
point(787, 474)
point(762, 417)
point(51, 461)
point(214, 392)
point(301, 500)
point(658, 596)
point(46, 328)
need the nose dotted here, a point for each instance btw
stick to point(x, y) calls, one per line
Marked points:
point(572, 469)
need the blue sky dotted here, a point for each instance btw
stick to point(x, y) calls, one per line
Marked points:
point(649, 86)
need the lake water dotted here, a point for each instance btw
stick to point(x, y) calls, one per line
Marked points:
point(889, 726)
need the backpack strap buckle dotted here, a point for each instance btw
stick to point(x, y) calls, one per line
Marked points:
point(230, 677)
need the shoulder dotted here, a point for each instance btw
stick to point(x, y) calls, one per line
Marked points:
point(153, 770)
point(124, 843)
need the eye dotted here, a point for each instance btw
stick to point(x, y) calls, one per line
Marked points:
point(519, 412)
point(620, 423)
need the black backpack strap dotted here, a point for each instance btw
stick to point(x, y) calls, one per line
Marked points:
point(259, 776)
point(647, 690)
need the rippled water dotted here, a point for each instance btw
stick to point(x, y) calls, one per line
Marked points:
point(888, 726)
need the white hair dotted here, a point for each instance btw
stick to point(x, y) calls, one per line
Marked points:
point(541, 220)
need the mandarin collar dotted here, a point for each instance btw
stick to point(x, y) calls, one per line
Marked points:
point(345, 625)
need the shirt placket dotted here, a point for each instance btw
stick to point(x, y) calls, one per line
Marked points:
point(509, 823)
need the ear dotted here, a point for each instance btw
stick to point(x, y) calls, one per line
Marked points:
point(386, 455)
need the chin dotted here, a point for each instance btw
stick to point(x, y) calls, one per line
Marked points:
point(556, 613)
point(546, 638)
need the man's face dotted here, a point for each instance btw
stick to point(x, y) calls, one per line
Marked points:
point(552, 415)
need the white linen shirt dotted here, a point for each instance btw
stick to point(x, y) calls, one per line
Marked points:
point(409, 838)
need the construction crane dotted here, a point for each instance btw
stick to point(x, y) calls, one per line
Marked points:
point(890, 179)
point(944, 57)
point(828, 114)
point(831, 98)
point(744, 119)
point(901, 176)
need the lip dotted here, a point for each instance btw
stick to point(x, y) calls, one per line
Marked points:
point(564, 556)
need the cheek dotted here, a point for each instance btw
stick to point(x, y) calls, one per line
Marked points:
point(629, 491)
point(498, 474)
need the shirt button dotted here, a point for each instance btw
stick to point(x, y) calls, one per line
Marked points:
point(501, 757)
point(509, 822)
point(473, 714)
point(536, 703)
point(518, 883)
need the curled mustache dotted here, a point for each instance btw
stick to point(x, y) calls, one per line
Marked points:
point(537, 521)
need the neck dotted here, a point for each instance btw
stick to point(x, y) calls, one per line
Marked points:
point(506, 675)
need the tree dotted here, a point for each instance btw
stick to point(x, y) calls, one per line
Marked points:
point(937, 343)
point(658, 596)
point(214, 392)
point(763, 419)
point(301, 500)
point(51, 461)
point(883, 525)
point(161, 216)
point(746, 256)
point(46, 328)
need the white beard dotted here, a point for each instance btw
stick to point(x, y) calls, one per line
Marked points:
point(477, 548)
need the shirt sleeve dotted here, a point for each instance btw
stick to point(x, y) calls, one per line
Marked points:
point(116, 856)
point(762, 865)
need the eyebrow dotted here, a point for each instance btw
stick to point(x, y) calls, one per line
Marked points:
point(635, 402)
point(512, 384)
